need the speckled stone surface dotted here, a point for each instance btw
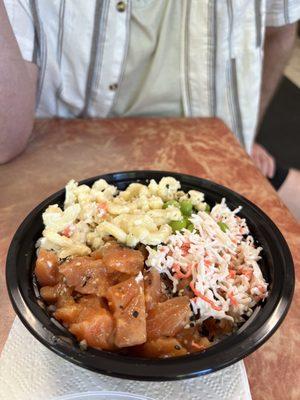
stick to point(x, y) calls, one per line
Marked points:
point(79, 149)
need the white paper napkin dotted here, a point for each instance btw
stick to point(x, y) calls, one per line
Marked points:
point(29, 371)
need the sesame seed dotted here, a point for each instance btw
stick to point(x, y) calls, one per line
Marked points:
point(83, 344)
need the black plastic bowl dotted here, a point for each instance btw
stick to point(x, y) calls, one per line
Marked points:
point(276, 264)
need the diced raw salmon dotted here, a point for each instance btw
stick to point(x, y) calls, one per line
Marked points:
point(85, 275)
point(122, 259)
point(184, 288)
point(142, 248)
point(107, 247)
point(153, 289)
point(117, 277)
point(90, 305)
point(86, 308)
point(46, 268)
point(127, 302)
point(161, 348)
point(96, 255)
point(58, 293)
point(192, 340)
point(68, 314)
point(214, 327)
point(97, 331)
point(90, 301)
point(168, 318)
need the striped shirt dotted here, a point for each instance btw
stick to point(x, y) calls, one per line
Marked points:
point(83, 51)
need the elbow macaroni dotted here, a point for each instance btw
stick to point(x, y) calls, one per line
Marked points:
point(135, 215)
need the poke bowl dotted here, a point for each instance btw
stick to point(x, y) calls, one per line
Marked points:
point(225, 273)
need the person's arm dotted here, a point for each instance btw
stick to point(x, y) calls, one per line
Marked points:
point(279, 42)
point(17, 93)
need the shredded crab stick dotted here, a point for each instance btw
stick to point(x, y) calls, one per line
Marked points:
point(201, 296)
point(196, 345)
point(232, 299)
point(207, 263)
point(185, 248)
point(232, 273)
point(218, 259)
point(179, 274)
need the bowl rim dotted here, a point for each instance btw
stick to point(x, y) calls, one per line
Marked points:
point(156, 369)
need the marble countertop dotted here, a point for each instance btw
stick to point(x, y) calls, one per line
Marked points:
point(79, 149)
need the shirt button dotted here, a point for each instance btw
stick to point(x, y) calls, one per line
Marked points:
point(113, 86)
point(121, 6)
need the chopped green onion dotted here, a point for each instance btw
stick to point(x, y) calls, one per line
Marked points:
point(190, 227)
point(173, 203)
point(178, 225)
point(186, 207)
point(223, 226)
point(207, 208)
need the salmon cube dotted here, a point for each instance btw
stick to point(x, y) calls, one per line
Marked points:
point(90, 305)
point(86, 308)
point(97, 331)
point(117, 277)
point(192, 340)
point(142, 248)
point(90, 301)
point(46, 268)
point(153, 289)
point(96, 255)
point(214, 327)
point(122, 259)
point(85, 275)
point(168, 318)
point(58, 293)
point(68, 314)
point(161, 348)
point(184, 288)
point(127, 302)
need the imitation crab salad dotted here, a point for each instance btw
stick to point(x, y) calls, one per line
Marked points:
point(151, 271)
